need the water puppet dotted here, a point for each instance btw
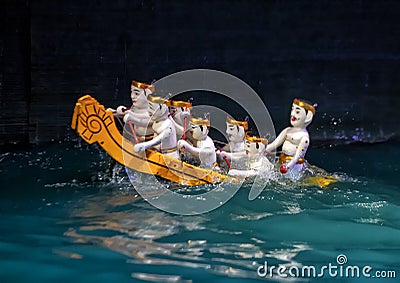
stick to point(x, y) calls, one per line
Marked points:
point(138, 113)
point(235, 149)
point(295, 140)
point(164, 139)
point(203, 147)
point(256, 163)
point(180, 112)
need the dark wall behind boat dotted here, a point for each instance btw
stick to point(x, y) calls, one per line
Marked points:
point(345, 55)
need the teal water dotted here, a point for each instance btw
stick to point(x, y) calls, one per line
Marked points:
point(63, 218)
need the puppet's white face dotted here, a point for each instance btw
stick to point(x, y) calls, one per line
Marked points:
point(254, 148)
point(139, 97)
point(176, 113)
point(298, 116)
point(199, 132)
point(157, 111)
point(235, 133)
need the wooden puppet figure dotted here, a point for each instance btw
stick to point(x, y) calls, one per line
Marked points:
point(295, 139)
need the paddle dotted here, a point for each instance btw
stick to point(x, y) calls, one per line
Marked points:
point(184, 129)
point(183, 137)
point(227, 162)
point(133, 132)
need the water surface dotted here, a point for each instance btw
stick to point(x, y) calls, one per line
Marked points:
point(64, 218)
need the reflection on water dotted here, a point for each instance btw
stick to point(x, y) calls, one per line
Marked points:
point(126, 224)
point(231, 241)
point(133, 229)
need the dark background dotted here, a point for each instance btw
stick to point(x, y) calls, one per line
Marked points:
point(344, 55)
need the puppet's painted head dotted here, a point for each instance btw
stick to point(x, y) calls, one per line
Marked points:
point(302, 113)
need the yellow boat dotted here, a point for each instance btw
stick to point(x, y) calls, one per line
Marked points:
point(96, 124)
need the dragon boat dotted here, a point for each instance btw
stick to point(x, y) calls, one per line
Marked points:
point(95, 124)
